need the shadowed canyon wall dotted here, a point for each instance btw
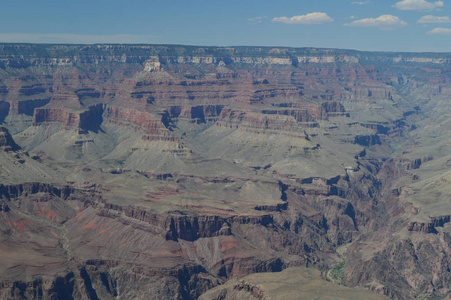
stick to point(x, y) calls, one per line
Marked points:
point(162, 171)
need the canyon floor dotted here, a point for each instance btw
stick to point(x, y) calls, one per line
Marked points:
point(182, 172)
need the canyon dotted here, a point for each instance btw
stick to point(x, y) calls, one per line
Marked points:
point(183, 172)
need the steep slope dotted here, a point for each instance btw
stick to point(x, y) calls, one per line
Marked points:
point(160, 170)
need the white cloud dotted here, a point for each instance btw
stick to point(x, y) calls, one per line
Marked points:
point(418, 5)
point(353, 17)
point(434, 19)
point(360, 2)
point(311, 18)
point(385, 22)
point(255, 20)
point(440, 30)
point(75, 38)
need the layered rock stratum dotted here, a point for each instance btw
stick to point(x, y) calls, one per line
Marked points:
point(163, 171)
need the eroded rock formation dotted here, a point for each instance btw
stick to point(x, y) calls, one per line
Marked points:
point(164, 171)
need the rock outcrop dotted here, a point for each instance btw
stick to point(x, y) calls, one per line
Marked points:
point(131, 171)
point(6, 140)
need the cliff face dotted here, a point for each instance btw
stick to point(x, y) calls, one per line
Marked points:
point(161, 170)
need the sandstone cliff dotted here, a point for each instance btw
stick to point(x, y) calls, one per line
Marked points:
point(157, 171)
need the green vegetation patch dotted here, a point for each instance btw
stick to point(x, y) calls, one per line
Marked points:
point(336, 274)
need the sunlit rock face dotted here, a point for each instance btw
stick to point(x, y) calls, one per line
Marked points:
point(160, 172)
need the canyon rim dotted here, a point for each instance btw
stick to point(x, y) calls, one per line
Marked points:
point(185, 172)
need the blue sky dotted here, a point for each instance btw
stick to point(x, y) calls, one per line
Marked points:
point(382, 25)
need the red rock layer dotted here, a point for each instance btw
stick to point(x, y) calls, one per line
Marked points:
point(259, 123)
point(140, 121)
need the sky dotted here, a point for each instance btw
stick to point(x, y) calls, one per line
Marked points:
point(374, 25)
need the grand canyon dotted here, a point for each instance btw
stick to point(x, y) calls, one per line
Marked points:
point(183, 172)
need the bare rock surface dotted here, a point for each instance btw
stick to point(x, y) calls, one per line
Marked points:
point(160, 172)
point(290, 284)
